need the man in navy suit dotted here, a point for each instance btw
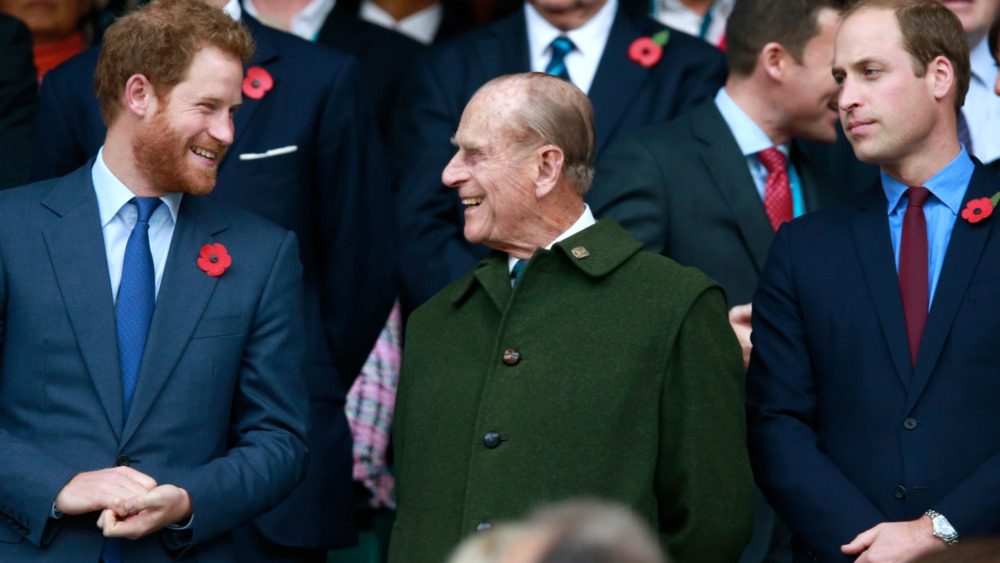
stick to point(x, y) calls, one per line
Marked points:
point(305, 155)
point(627, 93)
point(871, 393)
point(166, 441)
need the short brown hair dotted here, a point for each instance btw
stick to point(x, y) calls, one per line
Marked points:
point(929, 30)
point(558, 113)
point(159, 41)
point(755, 23)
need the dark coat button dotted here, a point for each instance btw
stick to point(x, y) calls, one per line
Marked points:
point(910, 424)
point(483, 526)
point(491, 439)
point(900, 492)
point(122, 461)
point(511, 357)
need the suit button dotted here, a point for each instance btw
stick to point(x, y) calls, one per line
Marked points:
point(511, 357)
point(491, 439)
point(483, 526)
point(910, 424)
point(122, 461)
point(900, 492)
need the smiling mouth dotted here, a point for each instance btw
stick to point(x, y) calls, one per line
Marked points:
point(203, 152)
point(471, 201)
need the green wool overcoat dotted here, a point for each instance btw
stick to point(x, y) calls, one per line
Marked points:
point(608, 372)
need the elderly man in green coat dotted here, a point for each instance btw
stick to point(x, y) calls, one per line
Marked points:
point(569, 362)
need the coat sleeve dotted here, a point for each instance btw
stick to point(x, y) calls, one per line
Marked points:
point(703, 480)
point(806, 488)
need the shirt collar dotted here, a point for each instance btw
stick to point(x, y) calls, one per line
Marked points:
point(233, 9)
point(984, 67)
point(307, 22)
point(591, 35)
point(749, 136)
point(948, 185)
point(586, 219)
point(112, 194)
point(421, 25)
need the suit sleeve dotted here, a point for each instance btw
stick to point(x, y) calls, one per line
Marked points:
point(629, 188)
point(435, 251)
point(703, 480)
point(821, 505)
point(269, 418)
point(18, 102)
point(359, 249)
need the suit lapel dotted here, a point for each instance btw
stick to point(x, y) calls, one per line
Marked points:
point(76, 247)
point(184, 293)
point(263, 56)
point(874, 247)
point(726, 164)
point(964, 252)
point(617, 81)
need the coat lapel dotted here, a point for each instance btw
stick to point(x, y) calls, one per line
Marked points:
point(617, 81)
point(76, 247)
point(964, 252)
point(874, 246)
point(724, 161)
point(184, 293)
point(263, 56)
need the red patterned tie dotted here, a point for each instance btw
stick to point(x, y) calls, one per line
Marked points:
point(777, 188)
point(913, 276)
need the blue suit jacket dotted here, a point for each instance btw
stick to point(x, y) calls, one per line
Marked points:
point(626, 96)
point(220, 408)
point(332, 191)
point(843, 434)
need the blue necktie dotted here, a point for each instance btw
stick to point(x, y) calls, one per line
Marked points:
point(517, 270)
point(557, 65)
point(136, 297)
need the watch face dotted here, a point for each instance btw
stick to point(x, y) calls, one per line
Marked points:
point(943, 528)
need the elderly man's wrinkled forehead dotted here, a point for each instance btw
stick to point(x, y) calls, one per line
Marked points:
point(495, 111)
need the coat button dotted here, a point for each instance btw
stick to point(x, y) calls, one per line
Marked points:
point(483, 526)
point(511, 357)
point(491, 439)
point(910, 424)
point(900, 492)
point(122, 461)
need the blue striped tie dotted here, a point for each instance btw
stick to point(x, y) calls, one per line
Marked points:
point(557, 65)
point(517, 270)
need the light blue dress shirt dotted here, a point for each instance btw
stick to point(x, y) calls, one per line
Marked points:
point(948, 188)
point(751, 140)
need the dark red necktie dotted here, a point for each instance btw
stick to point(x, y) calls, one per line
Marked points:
point(913, 277)
point(777, 187)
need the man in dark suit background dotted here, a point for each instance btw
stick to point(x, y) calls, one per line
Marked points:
point(307, 156)
point(18, 102)
point(626, 95)
point(871, 389)
point(152, 360)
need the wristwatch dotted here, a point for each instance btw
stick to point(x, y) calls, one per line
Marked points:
point(943, 528)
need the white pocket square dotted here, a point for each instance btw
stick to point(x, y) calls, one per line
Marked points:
point(270, 153)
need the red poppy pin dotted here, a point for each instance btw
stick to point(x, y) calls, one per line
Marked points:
point(257, 82)
point(648, 51)
point(978, 209)
point(214, 259)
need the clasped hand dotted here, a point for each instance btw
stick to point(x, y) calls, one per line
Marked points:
point(132, 505)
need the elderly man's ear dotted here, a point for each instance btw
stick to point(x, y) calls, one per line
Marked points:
point(550, 164)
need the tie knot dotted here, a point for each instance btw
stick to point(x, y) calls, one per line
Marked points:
point(773, 160)
point(146, 205)
point(562, 45)
point(918, 196)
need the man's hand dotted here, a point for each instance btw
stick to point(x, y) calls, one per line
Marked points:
point(136, 517)
point(892, 542)
point(739, 319)
point(104, 488)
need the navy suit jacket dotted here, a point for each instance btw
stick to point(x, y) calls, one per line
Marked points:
point(220, 408)
point(332, 191)
point(626, 96)
point(843, 434)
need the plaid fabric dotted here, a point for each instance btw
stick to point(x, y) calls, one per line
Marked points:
point(369, 412)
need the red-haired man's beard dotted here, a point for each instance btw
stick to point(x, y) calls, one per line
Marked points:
point(167, 159)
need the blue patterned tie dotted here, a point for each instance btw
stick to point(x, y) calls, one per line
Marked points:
point(517, 270)
point(557, 65)
point(136, 296)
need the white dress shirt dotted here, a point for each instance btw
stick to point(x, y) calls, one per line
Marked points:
point(422, 25)
point(590, 39)
point(118, 217)
point(306, 24)
point(982, 105)
point(586, 219)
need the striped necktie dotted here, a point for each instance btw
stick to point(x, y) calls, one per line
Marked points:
point(561, 46)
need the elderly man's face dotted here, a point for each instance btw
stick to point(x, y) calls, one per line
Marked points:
point(179, 147)
point(492, 173)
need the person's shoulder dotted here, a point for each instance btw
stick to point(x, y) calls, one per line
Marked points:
point(78, 67)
